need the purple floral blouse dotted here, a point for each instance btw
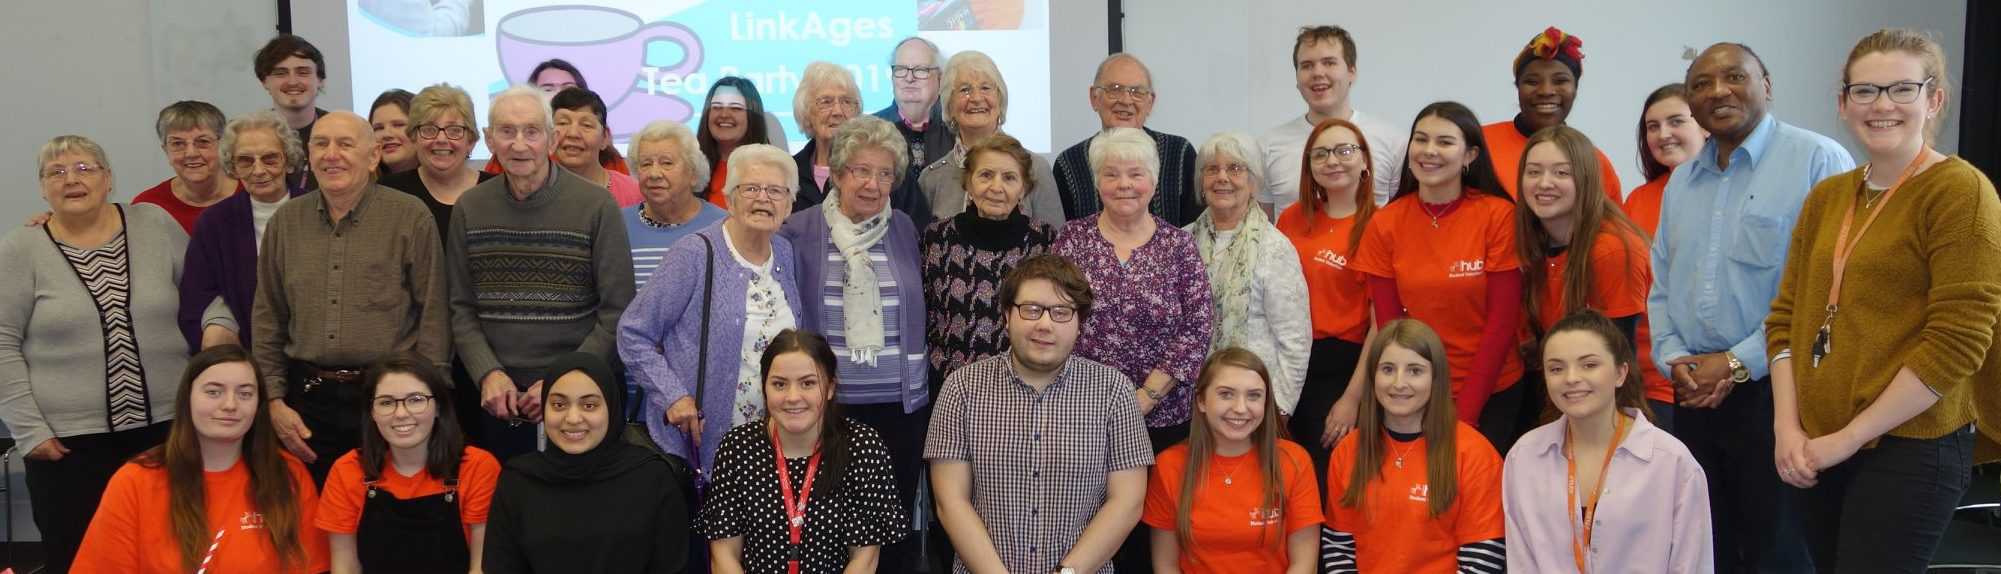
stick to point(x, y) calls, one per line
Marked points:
point(1152, 311)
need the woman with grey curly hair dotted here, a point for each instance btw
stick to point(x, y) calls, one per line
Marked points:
point(667, 161)
point(220, 280)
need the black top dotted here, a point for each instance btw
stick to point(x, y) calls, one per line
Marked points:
point(857, 510)
point(409, 182)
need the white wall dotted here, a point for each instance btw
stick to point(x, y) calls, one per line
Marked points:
point(1221, 66)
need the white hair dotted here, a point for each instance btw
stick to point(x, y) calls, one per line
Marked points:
point(765, 155)
point(678, 134)
point(1126, 144)
point(288, 138)
point(815, 77)
point(1231, 145)
point(1107, 63)
point(936, 54)
point(865, 132)
point(974, 62)
point(523, 91)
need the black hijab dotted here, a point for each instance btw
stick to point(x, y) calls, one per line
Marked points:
point(612, 456)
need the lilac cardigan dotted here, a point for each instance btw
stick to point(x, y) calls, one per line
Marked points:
point(666, 316)
point(221, 261)
point(808, 232)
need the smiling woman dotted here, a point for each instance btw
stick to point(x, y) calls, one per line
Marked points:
point(1547, 72)
point(190, 131)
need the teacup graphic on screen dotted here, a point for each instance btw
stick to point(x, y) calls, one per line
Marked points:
point(609, 46)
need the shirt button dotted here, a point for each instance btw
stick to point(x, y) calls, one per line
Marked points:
point(1034, 511)
point(1035, 474)
point(1038, 436)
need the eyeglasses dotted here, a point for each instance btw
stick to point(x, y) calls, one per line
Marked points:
point(913, 72)
point(1033, 312)
point(81, 169)
point(1344, 151)
point(1900, 92)
point(824, 103)
point(748, 191)
point(271, 160)
point(862, 172)
point(416, 404)
point(454, 133)
point(1113, 91)
point(1235, 169)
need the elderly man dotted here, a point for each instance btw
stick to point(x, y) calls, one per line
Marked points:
point(1323, 68)
point(539, 267)
point(915, 70)
point(1123, 96)
point(1726, 225)
point(1038, 456)
point(348, 274)
point(294, 72)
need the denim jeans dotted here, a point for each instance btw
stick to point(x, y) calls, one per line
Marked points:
point(1885, 509)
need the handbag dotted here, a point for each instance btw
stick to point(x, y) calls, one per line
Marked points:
point(688, 476)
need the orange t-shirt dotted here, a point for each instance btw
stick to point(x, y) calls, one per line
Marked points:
point(132, 532)
point(1393, 526)
point(345, 494)
point(1505, 146)
point(1232, 532)
point(1337, 295)
point(1643, 206)
point(1619, 279)
point(1441, 272)
point(716, 195)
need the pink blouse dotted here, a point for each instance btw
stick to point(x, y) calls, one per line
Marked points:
point(1653, 515)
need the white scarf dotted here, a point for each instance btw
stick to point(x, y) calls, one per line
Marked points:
point(861, 296)
point(1230, 272)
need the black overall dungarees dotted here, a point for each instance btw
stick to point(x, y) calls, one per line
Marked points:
point(421, 534)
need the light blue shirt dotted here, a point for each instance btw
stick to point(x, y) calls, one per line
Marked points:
point(1722, 241)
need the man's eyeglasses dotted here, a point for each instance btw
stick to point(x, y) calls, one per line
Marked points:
point(913, 72)
point(1034, 312)
point(1113, 91)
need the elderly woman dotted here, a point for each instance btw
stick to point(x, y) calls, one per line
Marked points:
point(975, 99)
point(692, 340)
point(1255, 278)
point(189, 131)
point(858, 272)
point(582, 136)
point(733, 115)
point(89, 354)
point(967, 256)
point(389, 117)
point(668, 161)
point(220, 282)
point(827, 97)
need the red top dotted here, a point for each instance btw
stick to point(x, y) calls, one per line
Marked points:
point(1337, 294)
point(163, 196)
point(1505, 146)
point(1643, 206)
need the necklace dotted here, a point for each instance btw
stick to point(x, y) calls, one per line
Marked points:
point(1403, 451)
point(1442, 210)
point(1229, 476)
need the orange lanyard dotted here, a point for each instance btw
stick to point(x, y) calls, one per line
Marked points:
point(1843, 247)
point(1580, 537)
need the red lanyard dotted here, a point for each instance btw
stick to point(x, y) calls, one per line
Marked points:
point(795, 510)
point(1581, 537)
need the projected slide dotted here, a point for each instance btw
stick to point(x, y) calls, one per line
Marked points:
point(654, 59)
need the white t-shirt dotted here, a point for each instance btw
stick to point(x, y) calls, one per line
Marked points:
point(765, 315)
point(1286, 143)
point(260, 216)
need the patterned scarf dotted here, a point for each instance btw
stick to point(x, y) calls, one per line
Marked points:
point(1230, 272)
point(861, 297)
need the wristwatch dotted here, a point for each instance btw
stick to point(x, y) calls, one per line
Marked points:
point(1151, 394)
point(1738, 374)
point(1066, 570)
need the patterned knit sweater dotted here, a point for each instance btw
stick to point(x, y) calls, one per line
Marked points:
point(965, 258)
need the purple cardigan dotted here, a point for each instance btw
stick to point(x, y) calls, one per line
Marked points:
point(660, 335)
point(808, 232)
point(221, 261)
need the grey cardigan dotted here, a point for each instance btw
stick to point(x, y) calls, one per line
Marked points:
point(52, 339)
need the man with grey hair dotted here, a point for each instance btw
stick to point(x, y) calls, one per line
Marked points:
point(914, 69)
point(1122, 94)
point(539, 266)
point(348, 274)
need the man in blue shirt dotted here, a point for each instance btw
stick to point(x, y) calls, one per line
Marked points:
point(1726, 223)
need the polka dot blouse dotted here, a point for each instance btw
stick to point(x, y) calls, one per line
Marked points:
point(843, 512)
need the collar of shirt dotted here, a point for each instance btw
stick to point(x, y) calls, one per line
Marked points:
point(555, 171)
point(1062, 374)
point(1639, 442)
point(353, 215)
point(1753, 148)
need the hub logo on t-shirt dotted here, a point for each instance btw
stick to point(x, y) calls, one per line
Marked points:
point(1420, 493)
point(251, 521)
point(1331, 259)
point(1262, 517)
point(1466, 268)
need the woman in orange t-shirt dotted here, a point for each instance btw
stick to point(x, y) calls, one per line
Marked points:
point(221, 495)
point(1547, 73)
point(414, 496)
point(1202, 521)
point(1668, 136)
point(1443, 252)
point(1413, 489)
point(1553, 220)
point(1326, 230)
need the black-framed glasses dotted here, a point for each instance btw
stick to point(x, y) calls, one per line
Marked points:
point(1900, 92)
point(454, 133)
point(1034, 312)
point(416, 404)
point(913, 72)
point(1113, 91)
point(1344, 151)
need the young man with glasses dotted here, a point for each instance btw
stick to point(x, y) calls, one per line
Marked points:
point(1038, 457)
point(1122, 94)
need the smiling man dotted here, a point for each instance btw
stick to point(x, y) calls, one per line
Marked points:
point(348, 274)
point(1726, 224)
point(294, 73)
point(1323, 67)
point(1122, 94)
point(539, 266)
